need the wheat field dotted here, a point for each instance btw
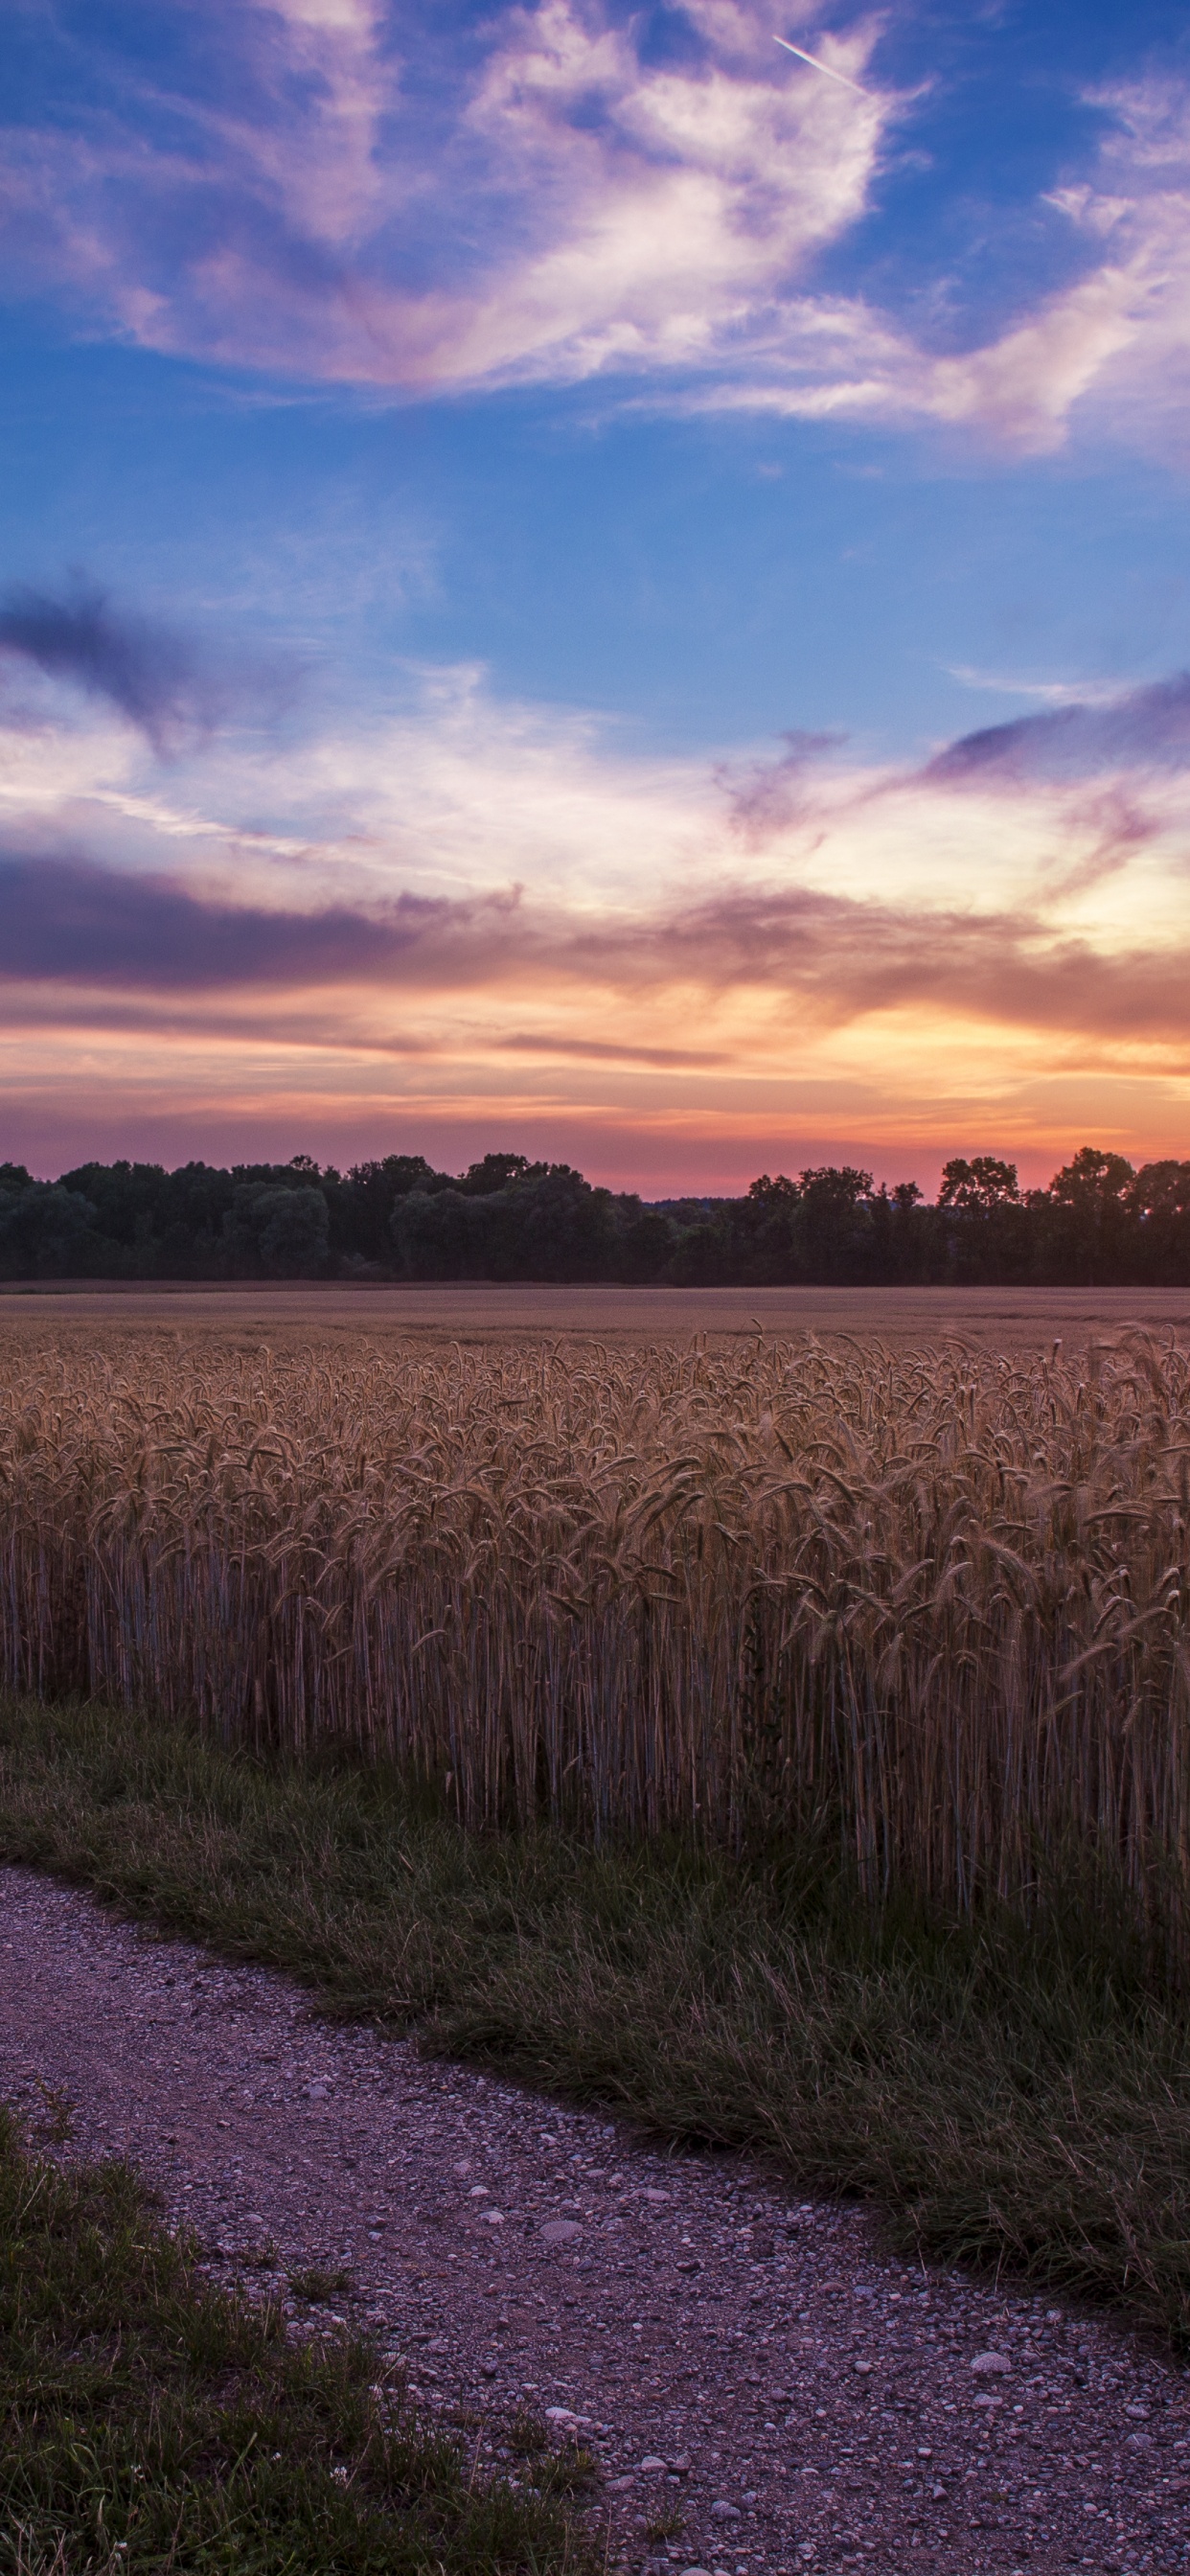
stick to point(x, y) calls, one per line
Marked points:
point(1001, 1318)
point(930, 1602)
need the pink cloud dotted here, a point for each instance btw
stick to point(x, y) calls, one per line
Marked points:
point(546, 206)
point(493, 914)
point(839, 958)
point(1111, 351)
point(573, 210)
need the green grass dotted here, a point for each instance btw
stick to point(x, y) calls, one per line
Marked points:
point(150, 2422)
point(1013, 2098)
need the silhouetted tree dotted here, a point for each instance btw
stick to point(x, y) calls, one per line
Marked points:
point(986, 1226)
point(482, 1180)
point(508, 1218)
point(1088, 1222)
point(283, 1233)
point(1160, 1207)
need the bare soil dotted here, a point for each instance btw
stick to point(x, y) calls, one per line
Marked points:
point(764, 2388)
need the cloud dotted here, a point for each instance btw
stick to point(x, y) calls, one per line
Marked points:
point(1110, 351)
point(1050, 693)
point(66, 920)
point(1149, 727)
point(837, 957)
point(545, 196)
point(151, 675)
point(843, 959)
point(537, 202)
point(752, 956)
point(496, 910)
point(770, 796)
point(607, 1051)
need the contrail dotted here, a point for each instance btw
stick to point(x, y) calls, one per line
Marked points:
point(816, 66)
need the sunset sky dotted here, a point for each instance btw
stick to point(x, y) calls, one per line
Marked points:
point(572, 582)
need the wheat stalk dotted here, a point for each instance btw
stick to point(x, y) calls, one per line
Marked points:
point(933, 1602)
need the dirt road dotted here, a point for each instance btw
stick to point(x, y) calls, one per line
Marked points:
point(766, 2391)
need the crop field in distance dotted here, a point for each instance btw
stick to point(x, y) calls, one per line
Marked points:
point(927, 1602)
point(1003, 1318)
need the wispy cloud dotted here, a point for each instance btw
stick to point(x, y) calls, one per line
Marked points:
point(843, 959)
point(1111, 349)
point(541, 203)
point(563, 1047)
point(767, 797)
point(534, 199)
point(481, 917)
point(1050, 693)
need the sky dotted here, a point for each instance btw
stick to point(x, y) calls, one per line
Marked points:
point(574, 582)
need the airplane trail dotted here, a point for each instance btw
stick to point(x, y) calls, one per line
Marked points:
point(816, 66)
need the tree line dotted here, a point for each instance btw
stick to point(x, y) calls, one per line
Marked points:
point(1100, 1222)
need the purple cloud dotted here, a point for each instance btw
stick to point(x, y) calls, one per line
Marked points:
point(65, 919)
point(830, 958)
point(150, 674)
point(1148, 727)
point(771, 796)
point(605, 1051)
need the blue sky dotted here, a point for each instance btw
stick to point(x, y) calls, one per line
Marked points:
point(502, 514)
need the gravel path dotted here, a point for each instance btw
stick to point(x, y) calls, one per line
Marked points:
point(764, 2389)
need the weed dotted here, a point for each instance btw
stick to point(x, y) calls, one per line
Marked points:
point(527, 2436)
point(59, 2117)
point(571, 2470)
point(565, 2468)
point(258, 2258)
point(314, 2286)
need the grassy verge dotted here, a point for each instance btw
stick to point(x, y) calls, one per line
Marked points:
point(149, 2421)
point(1010, 2098)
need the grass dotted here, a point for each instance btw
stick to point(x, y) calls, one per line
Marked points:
point(1012, 2096)
point(314, 2285)
point(151, 2422)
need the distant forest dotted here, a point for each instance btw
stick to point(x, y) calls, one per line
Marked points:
point(1099, 1222)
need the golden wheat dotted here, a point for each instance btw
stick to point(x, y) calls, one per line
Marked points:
point(935, 1601)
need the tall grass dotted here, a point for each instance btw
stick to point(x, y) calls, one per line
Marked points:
point(931, 1605)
